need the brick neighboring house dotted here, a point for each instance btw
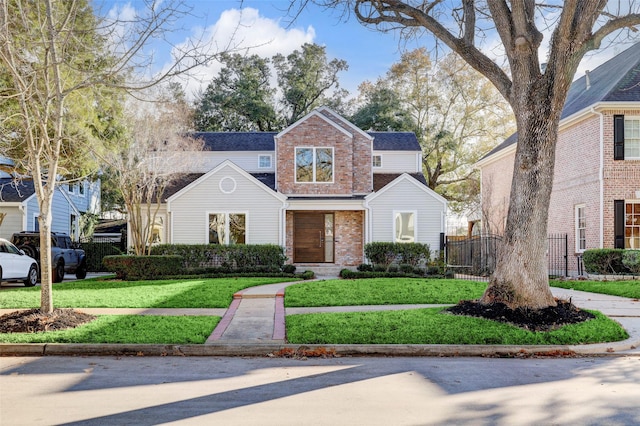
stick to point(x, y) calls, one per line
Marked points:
point(596, 187)
point(322, 188)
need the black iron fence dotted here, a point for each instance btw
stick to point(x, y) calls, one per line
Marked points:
point(476, 256)
point(96, 248)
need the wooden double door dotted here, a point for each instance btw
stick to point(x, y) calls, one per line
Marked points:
point(313, 237)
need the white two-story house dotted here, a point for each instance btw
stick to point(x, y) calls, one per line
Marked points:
point(321, 188)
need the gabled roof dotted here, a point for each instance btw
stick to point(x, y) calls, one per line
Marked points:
point(380, 180)
point(617, 80)
point(237, 141)
point(414, 179)
point(16, 191)
point(264, 141)
point(268, 179)
point(395, 141)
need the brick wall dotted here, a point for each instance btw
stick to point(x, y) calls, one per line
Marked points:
point(621, 177)
point(352, 158)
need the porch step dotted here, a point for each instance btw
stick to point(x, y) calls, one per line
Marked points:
point(322, 270)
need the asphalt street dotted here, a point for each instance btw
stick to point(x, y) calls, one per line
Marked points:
point(335, 391)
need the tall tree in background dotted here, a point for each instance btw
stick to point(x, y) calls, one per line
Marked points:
point(241, 97)
point(380, 108)
point(537, 98)
point(305, 78)
point(59, 65)
point(456, 114)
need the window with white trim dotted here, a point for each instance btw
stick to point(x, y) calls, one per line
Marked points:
point(227, 228)
point(632, 138)
point(377, 161)
point(632, 225)
point(264, 161)
point(404, 226)
point(314, 165)
point(581, 228)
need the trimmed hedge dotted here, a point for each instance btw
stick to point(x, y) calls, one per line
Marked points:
point(384, 254)
point(604, 261)
point(143, 267)
point(245, 257)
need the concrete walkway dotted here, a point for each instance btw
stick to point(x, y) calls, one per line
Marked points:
point(254, 324)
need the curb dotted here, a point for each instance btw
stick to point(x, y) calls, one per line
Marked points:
point(617, 349)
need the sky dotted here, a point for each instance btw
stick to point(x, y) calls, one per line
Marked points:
point(266, 28)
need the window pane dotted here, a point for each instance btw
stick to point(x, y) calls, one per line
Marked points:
point(265, 161)
point(405, 230)
point(216, 228)
point(328, 237)
point(304, 165)
point(632, 138)
point(237, 229)
point(324, 164)
point(377, 161)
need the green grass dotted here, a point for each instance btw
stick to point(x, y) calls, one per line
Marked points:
point(96, 293)
point(431, 326)
point(381, 291)
point(127, 329)
point(629, 289)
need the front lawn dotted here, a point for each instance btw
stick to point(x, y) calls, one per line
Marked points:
point(432, 326)
point(127, 329)
point(381, 291)
point(629, 289)
point(100, 293)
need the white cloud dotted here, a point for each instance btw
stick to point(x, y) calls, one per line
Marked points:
point(242, 31)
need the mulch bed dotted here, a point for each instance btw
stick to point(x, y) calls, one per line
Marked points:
point(33, 321)
point(547, 319)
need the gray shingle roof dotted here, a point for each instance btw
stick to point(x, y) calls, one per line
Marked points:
point(617, 80)
point(264, 141)
point(395, 141)
point(237, 141)
point(18, 191)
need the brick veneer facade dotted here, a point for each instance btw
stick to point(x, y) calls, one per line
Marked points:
point(349, 232)
point(351, 155)
point(576, 182)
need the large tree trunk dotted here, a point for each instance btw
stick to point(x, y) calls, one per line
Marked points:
point(521, 276)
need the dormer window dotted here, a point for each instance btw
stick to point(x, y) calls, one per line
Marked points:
point(314, 165)
point(264, 161)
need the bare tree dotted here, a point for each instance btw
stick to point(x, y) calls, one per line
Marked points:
point(58, 61)
point(536, 97)
point(150, 156)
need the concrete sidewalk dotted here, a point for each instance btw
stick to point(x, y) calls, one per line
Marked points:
point(254, 324)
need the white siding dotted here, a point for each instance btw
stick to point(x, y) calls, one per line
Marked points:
point(246, 160)
point(12, 221)
point(190, 209)
point(397, 162)
point(405, 196)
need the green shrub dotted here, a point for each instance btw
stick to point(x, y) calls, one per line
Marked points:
point(365, 267)
point(240, 257)
point(143, 267)
point(631, 260)
point(289, 269)
point(384, 254)
point(95, 252)
point(308, 275)
point(604, 261)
